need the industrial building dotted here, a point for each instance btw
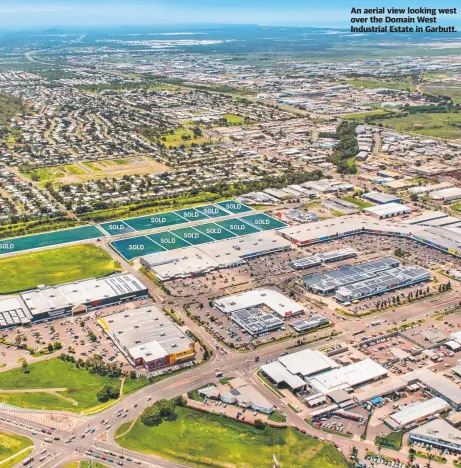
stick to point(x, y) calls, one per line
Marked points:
point(260, 310)
point(388, 210)
point(328, 282)
point(256, 321)
point(383, 281)
point(292, 370)
point(148, 338)
point(13, 312)
point(238, 392)
point(348, 377)
point(439, 434)
point(45, 303)
point(328, 186)
point(381, 198)
point(416, 413)
point(438, 385)
point(311, 323)
point(82, 296)
point(195, 260)
point(325, 257)
point(269, 299)
point(446, 195)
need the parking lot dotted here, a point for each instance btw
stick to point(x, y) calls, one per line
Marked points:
point(77, 335)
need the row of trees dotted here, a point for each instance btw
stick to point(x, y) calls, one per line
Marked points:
point(346, 149)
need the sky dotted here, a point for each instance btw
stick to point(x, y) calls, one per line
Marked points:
point(55, 13)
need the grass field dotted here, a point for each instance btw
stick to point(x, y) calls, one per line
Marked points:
point(205, 440)
point(453, 92)
point(357, 202)
point(81, 386)
point(361, 115)
point(53, 173)
point(234, 119)
point(10, 444)
point(182, 136)
point(54, 266)
point(375, 84)
point(446, 126)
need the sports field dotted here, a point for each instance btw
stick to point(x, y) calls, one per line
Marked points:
point(195, 235)
point(35, 241)
point(54, 266)
point(205, 440)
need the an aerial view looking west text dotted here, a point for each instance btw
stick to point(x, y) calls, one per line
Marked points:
point(230, 234)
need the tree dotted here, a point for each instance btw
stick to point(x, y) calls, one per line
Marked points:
point(50, 347)
point(156, 413)
point(132, 374)
point(259, 424)
point(57, 345)
point(108, 392)
point(24, 366)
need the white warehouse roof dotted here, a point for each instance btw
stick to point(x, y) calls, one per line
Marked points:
point(307, 362)
point(274, 300)
point(348, 377)
point(418, 411)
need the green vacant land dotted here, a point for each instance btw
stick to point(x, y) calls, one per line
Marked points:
point(375, 84)
point(440, 125)
point(362, 115)
point(81, 386)
point(454, 93)
point(54, 266)
point(52, 173)
point(204, 440)
point(393, 440)
point(9, 107)
point(182, 136)
point(11, 444)
point(356, 201)
point(234, 119)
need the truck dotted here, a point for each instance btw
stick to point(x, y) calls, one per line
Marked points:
point(219, 374)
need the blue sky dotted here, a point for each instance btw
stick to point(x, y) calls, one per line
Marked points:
point(45, 13)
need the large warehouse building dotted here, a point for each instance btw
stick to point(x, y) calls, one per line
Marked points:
point(148, 338)
point(259, 311)
point(330, 281)
point(292, 370)
point(196, 260)
point(443, 239)
point(47, 303)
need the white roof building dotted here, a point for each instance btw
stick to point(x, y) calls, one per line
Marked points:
point(417, 412)
point(348, 377)
point(272, 299)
